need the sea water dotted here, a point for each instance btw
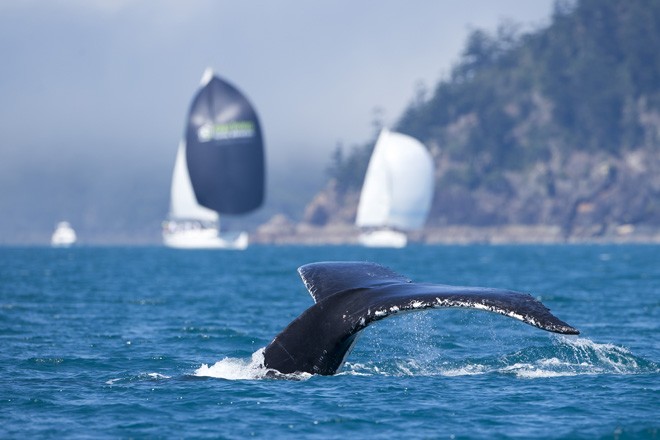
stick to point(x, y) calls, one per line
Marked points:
point(111, 342)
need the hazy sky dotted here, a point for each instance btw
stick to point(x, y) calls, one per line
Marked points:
point(109, 81)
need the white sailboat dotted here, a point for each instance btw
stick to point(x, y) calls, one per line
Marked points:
point(397, 191)
point(190, 225)
point(219, 169)
point(64, 235)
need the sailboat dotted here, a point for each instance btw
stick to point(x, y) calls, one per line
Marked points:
point(397, 191)
point(64, 235)
point(219, 169)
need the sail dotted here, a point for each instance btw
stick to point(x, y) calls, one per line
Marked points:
point(224, 149)
point(183, 204)
point(398, 186)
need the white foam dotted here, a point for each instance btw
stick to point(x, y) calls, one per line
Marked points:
point(158, 376)
point(553, 362)
point(538, 373)
point(139, 377)
point(235, 369)
point(401, 368)
point(466, 370)
point(244, 369)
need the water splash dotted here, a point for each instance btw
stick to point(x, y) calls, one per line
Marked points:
point(245, 369)
point(575, 356)
point(566, 356)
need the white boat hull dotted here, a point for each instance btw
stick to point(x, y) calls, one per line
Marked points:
point(383, 238)
point(64, 236)
point(207, 238)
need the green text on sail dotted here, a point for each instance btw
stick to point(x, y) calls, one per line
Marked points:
point(231, 130)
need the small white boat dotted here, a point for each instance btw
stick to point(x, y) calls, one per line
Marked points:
point(383, 238)
point(198, 235)
point(219, 169)
point(397, 191)
point(64, 235)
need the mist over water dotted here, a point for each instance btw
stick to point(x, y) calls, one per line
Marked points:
point(95, 95)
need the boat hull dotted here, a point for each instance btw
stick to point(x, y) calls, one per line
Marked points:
point(208, 238)
point(383, 238)
point(64, 236)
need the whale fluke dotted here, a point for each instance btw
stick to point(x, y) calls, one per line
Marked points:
point(351, 295)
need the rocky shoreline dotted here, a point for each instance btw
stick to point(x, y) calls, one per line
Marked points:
point(281, 231)
point(574, 198)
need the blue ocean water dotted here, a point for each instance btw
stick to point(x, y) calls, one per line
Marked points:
point(104, 342)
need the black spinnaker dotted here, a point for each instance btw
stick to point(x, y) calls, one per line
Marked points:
point(225, 152)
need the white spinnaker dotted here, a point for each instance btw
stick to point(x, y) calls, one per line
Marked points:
point(398, 186)
point(183, 203)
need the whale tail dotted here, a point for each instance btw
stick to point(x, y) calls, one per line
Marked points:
point(351, 295)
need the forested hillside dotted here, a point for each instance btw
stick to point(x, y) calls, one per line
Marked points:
point(559, 126)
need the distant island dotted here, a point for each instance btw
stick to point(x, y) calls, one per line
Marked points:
point(548, 136)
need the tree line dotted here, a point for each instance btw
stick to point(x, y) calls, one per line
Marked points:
point(588, 81)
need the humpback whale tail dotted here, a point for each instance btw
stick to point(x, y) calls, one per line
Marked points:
point(349, 296)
